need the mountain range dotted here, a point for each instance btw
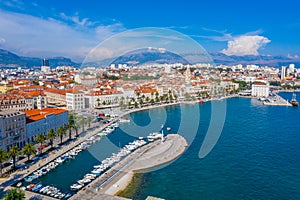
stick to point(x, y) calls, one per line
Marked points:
point(10, 59)
point(148, 56)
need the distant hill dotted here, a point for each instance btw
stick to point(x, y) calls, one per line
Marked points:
point(9, 58)
point(273, 61)
point(148, 56)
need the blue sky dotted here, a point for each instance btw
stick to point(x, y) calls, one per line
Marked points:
point(72, 28)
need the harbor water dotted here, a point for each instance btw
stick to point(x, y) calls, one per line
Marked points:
point(256, 157)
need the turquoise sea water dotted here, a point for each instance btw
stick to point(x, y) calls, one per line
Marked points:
point(256, 157)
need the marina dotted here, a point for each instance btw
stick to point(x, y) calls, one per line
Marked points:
point(35, 181)
point(40, 180)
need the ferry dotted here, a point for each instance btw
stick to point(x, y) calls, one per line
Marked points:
point(294, 102)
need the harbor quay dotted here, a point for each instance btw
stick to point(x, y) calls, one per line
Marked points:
point(118, 177)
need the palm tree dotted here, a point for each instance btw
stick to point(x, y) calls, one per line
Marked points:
point(175, 97)
point(147, 99)
point(14, 194)
point(141, 102)
point(83, 122)
point(157, 99)
point(116, 100)
point(76, 127)
point(3, 158)
point(70, 125)
point(40, 138)
point(29, 150)
point(50, 136)
point(13, 153)
point(161, 98)
point(138, 95)
point(171, 97)
point(61, 132)
point(89, 120)
point(98, 102)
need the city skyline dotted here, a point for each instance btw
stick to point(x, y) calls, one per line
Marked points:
point(56, 28)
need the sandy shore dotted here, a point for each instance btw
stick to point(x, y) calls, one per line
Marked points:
point(119, 176)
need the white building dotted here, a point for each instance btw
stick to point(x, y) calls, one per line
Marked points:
point(260, 89)
point(283, 72)
point(75, 100)
point(291, 69)
point(96, 100)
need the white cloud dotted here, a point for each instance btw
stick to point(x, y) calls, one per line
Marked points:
point(17, 4)
point(76, 20)
point(2, 40)
point(32, 36)
point(245, 45)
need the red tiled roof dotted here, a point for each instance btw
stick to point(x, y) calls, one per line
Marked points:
point(57, 91)
point(37, 114)
point(259, 83)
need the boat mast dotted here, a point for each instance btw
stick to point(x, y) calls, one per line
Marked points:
point(162, 133)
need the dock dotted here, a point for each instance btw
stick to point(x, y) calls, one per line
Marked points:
point(276, 101)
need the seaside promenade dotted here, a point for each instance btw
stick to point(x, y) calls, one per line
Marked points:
point(95, 128)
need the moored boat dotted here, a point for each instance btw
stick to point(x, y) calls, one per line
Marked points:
point(294, 101)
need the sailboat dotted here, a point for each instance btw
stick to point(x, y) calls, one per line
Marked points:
point(294, 102)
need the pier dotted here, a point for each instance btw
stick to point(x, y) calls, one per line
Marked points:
point(119, 176)
point(276, 101)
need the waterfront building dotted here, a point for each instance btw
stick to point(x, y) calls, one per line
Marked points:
point(146, 90)
point(12, 129)
point(42, 120)
point(75, 100)
point(260, 89)
point(110, 97)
